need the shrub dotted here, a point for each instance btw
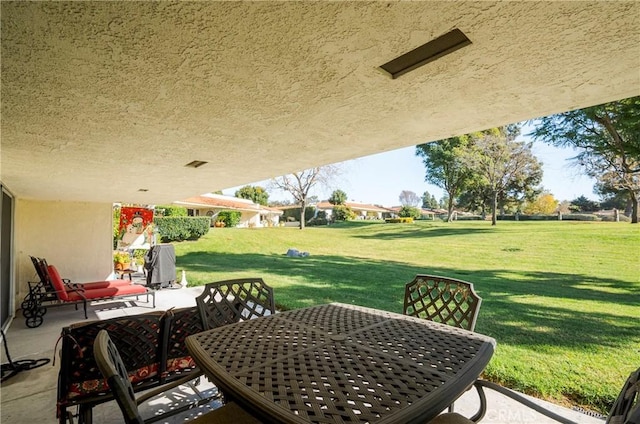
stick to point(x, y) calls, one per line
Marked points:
point(405, 220)
point(295, 214)
point(179, 228)
point(409, 212)
point(343, 213)
point(317, 221)
point(230, 218)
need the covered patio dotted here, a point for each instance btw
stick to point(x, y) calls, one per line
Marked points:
point(149, 103)
point(31, 395)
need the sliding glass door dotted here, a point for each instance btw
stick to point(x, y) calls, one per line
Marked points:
point(6, 236)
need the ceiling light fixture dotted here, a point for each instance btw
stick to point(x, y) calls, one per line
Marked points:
point(195, 164)
point(434, 49)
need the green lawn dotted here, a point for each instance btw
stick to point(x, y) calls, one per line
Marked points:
point(562, 299)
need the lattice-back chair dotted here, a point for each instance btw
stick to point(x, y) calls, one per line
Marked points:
point(178, 325)
point(114, 371)
point(80, 381)
point(441, 299)
point(625, 409)
point(230, 301)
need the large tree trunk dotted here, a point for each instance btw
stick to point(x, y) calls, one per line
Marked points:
point(450, 208)
point(634, 208)
point(494, 208)
point(303, 207)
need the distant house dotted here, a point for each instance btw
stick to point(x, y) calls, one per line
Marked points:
point(363, 210)
point(252, 214)
point(424, 213)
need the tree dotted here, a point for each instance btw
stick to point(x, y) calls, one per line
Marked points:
point(429, 201)
point(607, 137)
point(254, 193)
point(445, 167)
point(409, 198)
point(613, 199)
point(299, 184)
point(544, 204)
point(443, 202)
point(476, 197)
point(582, 204)
point(338, 197)
point(506, 167)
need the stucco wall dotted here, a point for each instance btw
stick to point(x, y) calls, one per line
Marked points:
point(76, 237)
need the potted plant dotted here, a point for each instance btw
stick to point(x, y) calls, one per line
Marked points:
point(121, 260)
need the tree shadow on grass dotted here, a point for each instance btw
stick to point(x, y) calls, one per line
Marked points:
point(423, 231)
point(529, 311)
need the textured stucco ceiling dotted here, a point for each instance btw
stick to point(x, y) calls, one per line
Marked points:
point(101, 99)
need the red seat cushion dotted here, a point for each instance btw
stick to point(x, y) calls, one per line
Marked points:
point(104, 284)
point(96, 293)
point(114, 291)
point(57, 282)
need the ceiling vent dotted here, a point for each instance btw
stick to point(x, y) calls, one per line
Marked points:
point(195, 164)
point(434, 49)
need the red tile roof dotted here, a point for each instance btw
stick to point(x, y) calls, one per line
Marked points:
point(354, 206)
point(226, 202)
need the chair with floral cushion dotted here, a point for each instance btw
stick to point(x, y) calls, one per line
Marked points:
point(80, 383)
point(152, 347)
point(109, 361)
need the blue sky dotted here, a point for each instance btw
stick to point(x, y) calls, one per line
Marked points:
point(379, 179)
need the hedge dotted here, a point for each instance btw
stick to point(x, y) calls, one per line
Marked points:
point(405, 220)
point(179, 228)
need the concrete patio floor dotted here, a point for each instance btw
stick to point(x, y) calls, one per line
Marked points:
point(30, 396)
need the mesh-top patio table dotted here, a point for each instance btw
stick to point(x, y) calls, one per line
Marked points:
point(340, 363)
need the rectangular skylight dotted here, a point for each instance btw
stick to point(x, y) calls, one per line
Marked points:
point(195, 164)
point(434, 49)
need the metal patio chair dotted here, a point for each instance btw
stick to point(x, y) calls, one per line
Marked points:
point(625, 409)
point(447, 301)
point(441, 299)
point(229, 301)
point(112, 367)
